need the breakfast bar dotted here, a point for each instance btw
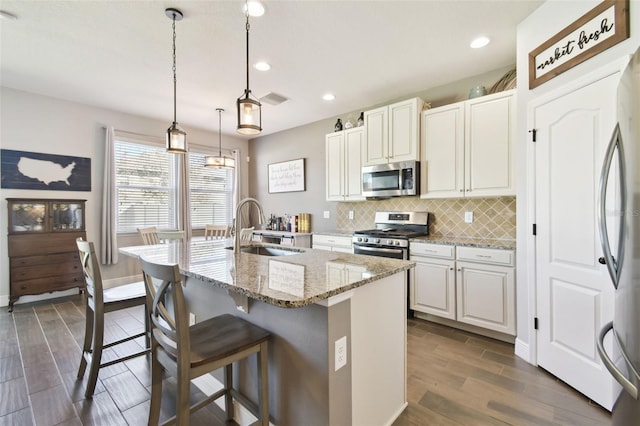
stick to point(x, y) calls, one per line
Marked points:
point(338, 324)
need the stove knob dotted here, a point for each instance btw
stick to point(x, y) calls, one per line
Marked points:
point(364, 240)
point(359, 239)
point(377, 241)
point(390, 242)
point(397, 243)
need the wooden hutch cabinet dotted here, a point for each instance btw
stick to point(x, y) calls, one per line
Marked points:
point(43, 255)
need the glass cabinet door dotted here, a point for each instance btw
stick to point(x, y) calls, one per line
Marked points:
point(28, 217)
point(66, 216)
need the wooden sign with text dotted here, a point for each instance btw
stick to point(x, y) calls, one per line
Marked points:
point(602, 27)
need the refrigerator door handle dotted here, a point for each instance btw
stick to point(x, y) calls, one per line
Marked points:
point(613, 266)
point(608, 363)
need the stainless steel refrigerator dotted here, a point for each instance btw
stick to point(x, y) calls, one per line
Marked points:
point(620, 236)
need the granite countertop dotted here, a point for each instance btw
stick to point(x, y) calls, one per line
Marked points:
point(305, 277)
point(468, 242)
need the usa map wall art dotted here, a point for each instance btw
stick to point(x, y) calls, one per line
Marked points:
point(32, 170)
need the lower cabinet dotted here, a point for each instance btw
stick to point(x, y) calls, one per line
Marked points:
point(332, 243)
point(477, 288)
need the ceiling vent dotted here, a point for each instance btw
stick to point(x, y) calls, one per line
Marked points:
point(273, 99)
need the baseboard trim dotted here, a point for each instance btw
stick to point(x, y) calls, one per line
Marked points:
point(466, 327)
point(522, 350)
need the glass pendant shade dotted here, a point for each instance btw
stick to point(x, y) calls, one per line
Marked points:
point(176, 139)
point(216, 162)
point(219, 161)
point(249, 115)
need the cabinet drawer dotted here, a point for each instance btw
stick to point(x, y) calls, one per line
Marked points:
point(40, 244)
point(51, 259)
point(70, 266)
point(47, 285)
point(485, 255)
point(332, 240)
point(431, 250)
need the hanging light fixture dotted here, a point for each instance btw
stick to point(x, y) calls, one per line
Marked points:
point(249, 110)
point(221, 161)
point(176, 137)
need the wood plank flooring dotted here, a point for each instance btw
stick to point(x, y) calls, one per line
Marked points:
point(454, 377)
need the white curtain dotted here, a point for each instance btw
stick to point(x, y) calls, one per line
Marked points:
point(108, 232)
point(184, 196)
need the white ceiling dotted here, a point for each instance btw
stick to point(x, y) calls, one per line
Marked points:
point(117, 54)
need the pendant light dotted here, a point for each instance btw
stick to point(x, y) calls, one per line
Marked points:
point(176, 137)
point(221, 161)
point(249, 110)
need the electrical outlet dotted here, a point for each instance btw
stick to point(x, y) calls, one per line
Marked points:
point(327, 214)
point(192, 318)
point(351, 214)
point(341, 353)
point(468, 217)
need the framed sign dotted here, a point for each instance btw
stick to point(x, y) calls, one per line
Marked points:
point(287, 176)
point(34, 170)
point(604, 26)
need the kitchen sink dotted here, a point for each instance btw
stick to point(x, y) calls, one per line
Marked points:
point(267, 251)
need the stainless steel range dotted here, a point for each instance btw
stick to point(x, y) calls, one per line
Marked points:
point(390, 238)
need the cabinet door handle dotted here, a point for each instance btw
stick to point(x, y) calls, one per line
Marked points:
point(462, 190)
point(451, 269)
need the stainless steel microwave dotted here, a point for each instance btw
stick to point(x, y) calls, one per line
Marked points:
point(391, 180)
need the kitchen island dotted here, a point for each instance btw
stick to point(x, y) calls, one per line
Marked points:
point(313, 302)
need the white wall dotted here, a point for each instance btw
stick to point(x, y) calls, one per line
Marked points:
point(46, 125)
point(542, 24)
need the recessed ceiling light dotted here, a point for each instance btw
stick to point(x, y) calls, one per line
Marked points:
point(479, 42)
point(8, 16)
point(255, 8)
point(262, 66)
point(328, 96)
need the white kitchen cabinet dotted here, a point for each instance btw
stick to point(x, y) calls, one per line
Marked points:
point(468, 285)
point(344, 165)
point(392, 133)
point(333, 243)
point(433, 284)
point(469, 148)
point(485, 286)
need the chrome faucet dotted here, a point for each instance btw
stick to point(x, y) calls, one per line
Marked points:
point(238, 224)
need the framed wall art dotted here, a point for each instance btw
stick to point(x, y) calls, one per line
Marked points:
point(33, 170)
point(287, 176)
point(604, 26)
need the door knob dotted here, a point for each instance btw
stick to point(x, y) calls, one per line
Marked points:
point(602, 261)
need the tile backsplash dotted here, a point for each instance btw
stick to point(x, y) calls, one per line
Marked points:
point(492, 217)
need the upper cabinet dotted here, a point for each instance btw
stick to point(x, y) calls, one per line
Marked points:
point(469, 148)
point(344, 165)
point(392, 133)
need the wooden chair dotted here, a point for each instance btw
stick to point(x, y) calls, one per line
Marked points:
point(100, 301)
point(216, 231)
point(189, 352)
point(149, 235)
point(246, 234)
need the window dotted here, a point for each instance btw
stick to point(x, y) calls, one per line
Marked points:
point(146, 186)
point(211, 193)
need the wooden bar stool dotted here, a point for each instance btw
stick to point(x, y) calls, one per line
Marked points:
point(100, 301)
point(216, 231)
point(187, 352)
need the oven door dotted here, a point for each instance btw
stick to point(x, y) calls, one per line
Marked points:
point(394, 253)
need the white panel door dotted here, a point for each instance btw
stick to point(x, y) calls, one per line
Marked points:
point(489, 135)
point(433, 289)
point(353, 140)
point(574, 296)
point(444, 151)
point(334, 179)
point(376, 136)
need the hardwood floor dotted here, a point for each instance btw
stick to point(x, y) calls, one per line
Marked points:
point(454, 377)
point(460, 378)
